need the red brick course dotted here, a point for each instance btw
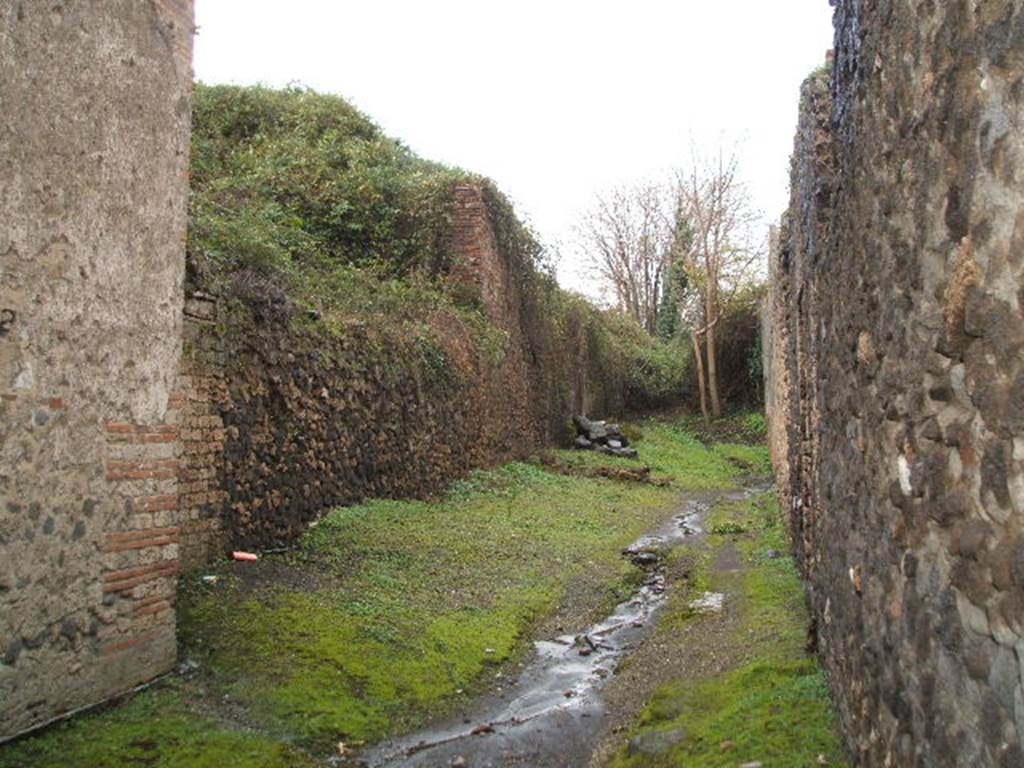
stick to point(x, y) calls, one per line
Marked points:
point(152, 606)
point(124, 645)
point(129, 578)
point(141, 539)
point(153, 469)
point(118, 432)
point(164, 503)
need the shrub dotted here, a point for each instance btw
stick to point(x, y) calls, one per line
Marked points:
point(301, 207)
point(293, 183)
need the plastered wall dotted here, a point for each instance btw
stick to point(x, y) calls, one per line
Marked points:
point(94, 134)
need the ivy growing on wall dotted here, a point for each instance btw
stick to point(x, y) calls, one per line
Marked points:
point(306, 218)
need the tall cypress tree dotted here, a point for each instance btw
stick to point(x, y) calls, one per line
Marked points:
point(676, 281)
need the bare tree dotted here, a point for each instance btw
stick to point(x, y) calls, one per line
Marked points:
point(627, 237)
point(721, 255)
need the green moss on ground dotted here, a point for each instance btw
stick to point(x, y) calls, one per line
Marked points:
point(384, 613)
point(773, 706)
point(738, 426)
point(672, 451)
point(771, 711)
point(326, 668)
point(414, 601)
point(155, 729)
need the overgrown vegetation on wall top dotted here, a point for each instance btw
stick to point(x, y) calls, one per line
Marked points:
point(302, 208)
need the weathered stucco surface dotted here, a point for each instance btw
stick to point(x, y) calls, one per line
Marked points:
point(897, 361)
point(93, 183)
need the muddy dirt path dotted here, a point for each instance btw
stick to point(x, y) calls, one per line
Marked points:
point(555, 714)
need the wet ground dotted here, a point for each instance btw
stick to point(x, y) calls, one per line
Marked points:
point(554, 715)
point(410, 608)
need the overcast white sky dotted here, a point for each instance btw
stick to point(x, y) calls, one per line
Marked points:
point(555, 100)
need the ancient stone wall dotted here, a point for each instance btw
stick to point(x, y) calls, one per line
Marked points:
point(93, 184)
point(204, 396)
point(282, 423)
point(897, 360)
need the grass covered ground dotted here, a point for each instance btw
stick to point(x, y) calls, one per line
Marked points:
point(158, 727)
point(768, 701)
point(402, 605)
point(387, 614)
point(673, 450)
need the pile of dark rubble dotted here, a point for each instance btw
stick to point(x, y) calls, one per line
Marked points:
point(603, 437)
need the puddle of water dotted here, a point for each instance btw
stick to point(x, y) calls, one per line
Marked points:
point(551, 717)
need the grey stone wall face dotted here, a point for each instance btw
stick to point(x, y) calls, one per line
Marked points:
point(898, 353)
point(94, 133)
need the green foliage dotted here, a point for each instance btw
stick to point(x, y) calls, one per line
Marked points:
point(673, 290)
point(285, 182)
point(755, 365)
point(656, 373)
point(668, 311)
point(728, 528)
point(386, 611)
point(529, 260)
point(755, 423)
point(655, 370)
point(406, 602)
point(299, 202)
point(772, 707)
point(301, 207)
point(156, 729)
point(739, 348)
